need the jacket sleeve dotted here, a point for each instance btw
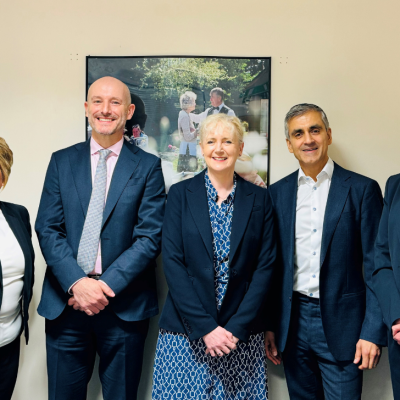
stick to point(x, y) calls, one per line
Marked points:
point(383, 277)
point(196, 320)
point(51, 232)
point(146, 235)
point(373, 328)
point(260, 284)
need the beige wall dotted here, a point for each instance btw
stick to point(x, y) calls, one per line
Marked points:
point(342, 55)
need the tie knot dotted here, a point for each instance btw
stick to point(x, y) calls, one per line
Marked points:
point(104, 154)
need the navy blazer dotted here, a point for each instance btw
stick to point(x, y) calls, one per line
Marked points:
point(188, 261)
point(386, 276)
point(130, 235)
point(17, 218)
point(349, 308)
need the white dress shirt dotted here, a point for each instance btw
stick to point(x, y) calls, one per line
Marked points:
point(13, 269)
point(310, 211)
point(198, 118)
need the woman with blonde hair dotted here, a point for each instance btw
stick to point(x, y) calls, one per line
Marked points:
point(16, 274)
point(218, 258)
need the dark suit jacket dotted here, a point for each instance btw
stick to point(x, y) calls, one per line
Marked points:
point(349, 308)
point(188, 261)
point(18, 220)
point(130, 235)
point(386, 277)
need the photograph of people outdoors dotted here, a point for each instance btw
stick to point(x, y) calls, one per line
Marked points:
point(173, 95)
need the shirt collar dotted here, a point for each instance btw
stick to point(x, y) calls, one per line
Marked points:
point(212, 192)
point(327, 170)
point(115, 148)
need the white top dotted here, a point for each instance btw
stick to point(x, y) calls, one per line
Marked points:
point(310, 211)
point(198, 118)
point(187, 132)
point(13, 268)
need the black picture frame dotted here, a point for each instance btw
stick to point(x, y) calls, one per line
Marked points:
point(159, 81)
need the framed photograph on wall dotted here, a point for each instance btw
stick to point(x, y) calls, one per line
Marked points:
point(174, 94)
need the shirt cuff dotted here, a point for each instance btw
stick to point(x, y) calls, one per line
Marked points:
point(70, 288)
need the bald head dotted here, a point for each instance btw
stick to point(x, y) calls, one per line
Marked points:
point(108, 106)
point(108, 82)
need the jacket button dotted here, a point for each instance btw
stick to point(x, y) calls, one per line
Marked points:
point(290, 299)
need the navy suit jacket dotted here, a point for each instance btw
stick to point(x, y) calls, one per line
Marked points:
point(130, 235)
point(349, 308)
point(188, 261)
point(386, 277)
point(17, 218)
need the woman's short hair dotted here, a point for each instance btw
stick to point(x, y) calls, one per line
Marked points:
point(188, 99)
point(6, 160)
point(228, 122)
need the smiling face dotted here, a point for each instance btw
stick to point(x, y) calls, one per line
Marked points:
point(221, 149)
point(108, 107)
point(309, 141)
point(215, 100)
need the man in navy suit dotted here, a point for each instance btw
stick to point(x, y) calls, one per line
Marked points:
point(386, 277)
point(99, 228)
point(328, 322)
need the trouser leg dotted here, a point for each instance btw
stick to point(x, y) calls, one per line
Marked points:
point(70, 346)
point(394, 361)
point(300, 363)
point(9, 361)
point(120, 345)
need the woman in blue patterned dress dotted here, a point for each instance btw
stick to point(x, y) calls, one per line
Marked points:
point(218, 257)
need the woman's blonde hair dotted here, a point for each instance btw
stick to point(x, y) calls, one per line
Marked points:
point(228, 122)
point(6, 160)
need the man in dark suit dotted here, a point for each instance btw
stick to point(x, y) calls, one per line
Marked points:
point(328, 322)
point(386, 278)
point(99, 228)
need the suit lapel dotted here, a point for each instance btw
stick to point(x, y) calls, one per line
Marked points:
point(196, 194)
point(288, 212)
point(243, 206)
point(338, 192)
point(124, 169)
point(82, 173)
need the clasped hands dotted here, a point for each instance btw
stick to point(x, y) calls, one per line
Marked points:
point(220, 342)
point(90, 296)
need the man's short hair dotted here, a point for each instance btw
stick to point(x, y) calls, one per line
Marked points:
point(301, 109)
point(218, 91)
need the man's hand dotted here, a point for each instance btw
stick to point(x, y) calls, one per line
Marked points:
point(270, 348)
point(219, 341)
point(90, 296)
point(369, 352)
point(396, 331)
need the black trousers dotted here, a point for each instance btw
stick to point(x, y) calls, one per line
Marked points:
point(394, 361)
point(72, 341)
point(9, 361)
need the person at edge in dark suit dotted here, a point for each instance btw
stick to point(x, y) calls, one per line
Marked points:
point(386, 277)
point(16, 279)
point(99, 228)
point(328, 323)
point(218, 257)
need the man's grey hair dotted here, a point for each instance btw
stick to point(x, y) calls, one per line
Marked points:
point(219, 92)
point(301, 109)
point(188, 99)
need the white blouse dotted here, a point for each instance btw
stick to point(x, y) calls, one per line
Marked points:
point(13, 268)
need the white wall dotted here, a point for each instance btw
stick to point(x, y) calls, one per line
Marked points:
point(342, 55)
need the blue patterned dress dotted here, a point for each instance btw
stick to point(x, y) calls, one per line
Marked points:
point(182, 369)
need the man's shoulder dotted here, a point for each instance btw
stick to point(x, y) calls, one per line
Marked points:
point(356, 178)
point(282, 184)
point(70, 149)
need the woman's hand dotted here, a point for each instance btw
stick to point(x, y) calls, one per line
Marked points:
point(219, 342)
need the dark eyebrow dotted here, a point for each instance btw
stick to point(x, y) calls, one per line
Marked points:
point(296, 131)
